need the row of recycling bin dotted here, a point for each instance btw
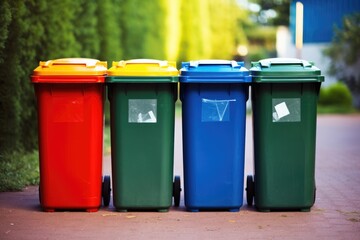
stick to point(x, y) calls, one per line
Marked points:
point(142, 93)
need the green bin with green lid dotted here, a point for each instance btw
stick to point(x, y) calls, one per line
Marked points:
point(284, 103)
point(142, 95)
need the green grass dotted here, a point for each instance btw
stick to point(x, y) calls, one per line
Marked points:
point(18, 169)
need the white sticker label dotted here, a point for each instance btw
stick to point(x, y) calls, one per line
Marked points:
point(142, 110)
point(286, 110)
point(215, 110)
point(281, 110)
point(147, 117)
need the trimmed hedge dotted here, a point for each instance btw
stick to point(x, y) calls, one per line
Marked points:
point(17, 170)
point(336, 94)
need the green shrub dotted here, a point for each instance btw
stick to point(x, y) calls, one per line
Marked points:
point(107, 140)
point(337, 95)
point(256, 54)
point(18, 169)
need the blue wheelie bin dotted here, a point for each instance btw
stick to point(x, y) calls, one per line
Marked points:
point(214, 95)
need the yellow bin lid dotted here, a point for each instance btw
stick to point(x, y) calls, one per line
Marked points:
point(71, 67)
point(143, 67)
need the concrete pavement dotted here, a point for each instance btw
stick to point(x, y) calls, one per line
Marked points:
point(335, 215)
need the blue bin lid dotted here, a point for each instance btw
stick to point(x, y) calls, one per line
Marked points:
point(214, 71)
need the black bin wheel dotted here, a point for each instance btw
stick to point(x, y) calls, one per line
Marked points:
point(314, 194)
point(250, 190)
point(106, 190)
point(40, 194)
point(176, 190)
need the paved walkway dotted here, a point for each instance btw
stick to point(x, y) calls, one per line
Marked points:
point(335, 215)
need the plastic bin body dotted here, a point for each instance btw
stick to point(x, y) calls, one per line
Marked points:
point(213, 95)
point(142, 143)
point(70, 120)
point(284, 100)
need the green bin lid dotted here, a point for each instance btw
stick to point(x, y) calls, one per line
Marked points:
point(285, 70)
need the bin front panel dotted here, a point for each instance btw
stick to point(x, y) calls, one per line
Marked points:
point(284, 120)
point(213, 144)
point(70, 144)
point(142, 139)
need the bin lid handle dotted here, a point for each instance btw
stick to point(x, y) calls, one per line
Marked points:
point(284, 61)
point(160, 63)
point(88, 62)
point(233, 63)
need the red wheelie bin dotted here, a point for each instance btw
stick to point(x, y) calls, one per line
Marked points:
point(70, 99)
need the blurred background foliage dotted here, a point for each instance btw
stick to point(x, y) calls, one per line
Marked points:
point(344, 54)
point(335, 98)
point(112, 30)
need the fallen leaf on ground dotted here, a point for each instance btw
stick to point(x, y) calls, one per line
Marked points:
point(353, 219)
point(108, 214)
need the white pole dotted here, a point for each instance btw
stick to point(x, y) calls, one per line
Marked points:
point(299, 28)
